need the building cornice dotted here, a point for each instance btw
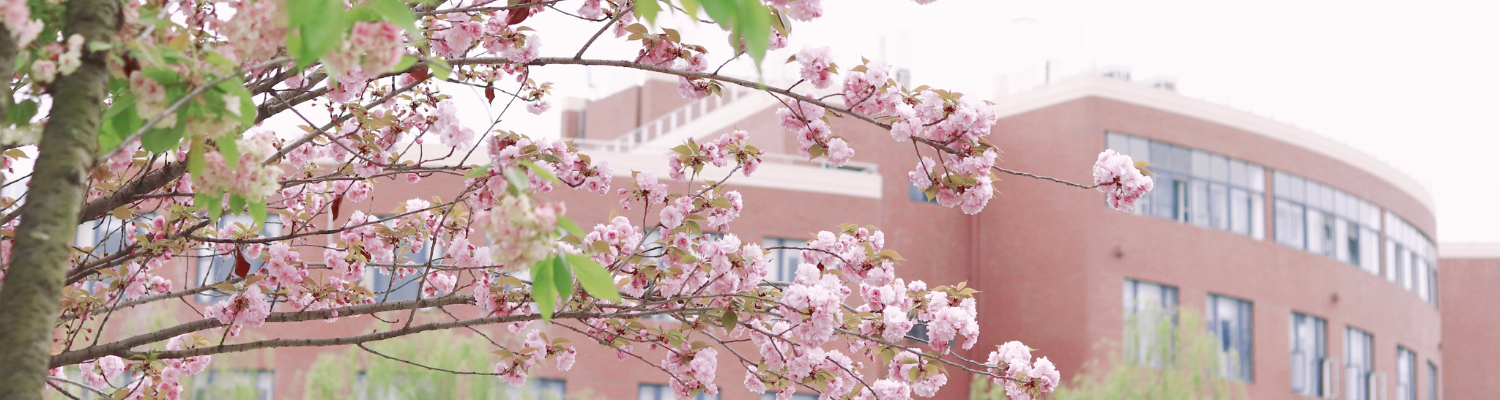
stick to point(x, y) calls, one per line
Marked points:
point(1469, 250)
point(1114, 89)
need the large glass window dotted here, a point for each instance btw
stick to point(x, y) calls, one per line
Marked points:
point(1406, 374)
point(402, 280)
point(1309, 352)
point(769, 395)
point(1411, 258)
point(1359, 363)
point(1150, 311)
point(1326, 221)
point(1432, 381)
point(783, 262)
point(1198, 187)
point(1232, 321)
point(215, 267)
point(647, 391)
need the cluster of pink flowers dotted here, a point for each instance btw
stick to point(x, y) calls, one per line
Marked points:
point(947, 317)
point(801, 10)
point(1121, 181)
point(960, 181)
point(813, 133)
point(439, 284)
point(869, 90)
point(730, 147)
point(811, 305)
point(448, 128)
point(520, 233)
point(249, 308)
point(57, 61)
point(647, 189)
point(536, 348)
point(855, 250)
point(929, 377)
point(373, 47)
point(694, 89)
point(817, 66)
point(496, 300)
point(284, 265)
point(249, 178)
point(257, 31)
point(98, 373)
point(1013, 360)
point(692, 370)
point(616, 239)
point(17, 19)
point(893, 303)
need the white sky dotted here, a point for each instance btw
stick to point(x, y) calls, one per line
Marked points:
point(1414, 85)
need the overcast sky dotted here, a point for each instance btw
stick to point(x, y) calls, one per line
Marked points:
point(1414, 85)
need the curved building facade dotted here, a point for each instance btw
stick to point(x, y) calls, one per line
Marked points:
point(1314, 264)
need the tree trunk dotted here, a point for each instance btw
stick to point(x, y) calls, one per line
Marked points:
point(29, 301)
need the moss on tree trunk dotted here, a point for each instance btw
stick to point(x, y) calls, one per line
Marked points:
point(29, 301)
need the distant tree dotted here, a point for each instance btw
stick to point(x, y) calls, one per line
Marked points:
point(147, 112)
point(1183, 362)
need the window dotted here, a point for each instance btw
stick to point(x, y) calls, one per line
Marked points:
point(549, 389)
point(383, 280)
point(1406, 374)
point(232, 383)
point(1231, 320)
point(917, 194)
point(783, 262)
point(1432, 381)
point(1326, 221)
point(1359, 360)
point(102, 237)
point(918, 332)
point(1411, 261)
point(214, 267)
point(649, 391)
point(769, 395)
point(1150, 316)
point(1309, 350)
point(1198, 187)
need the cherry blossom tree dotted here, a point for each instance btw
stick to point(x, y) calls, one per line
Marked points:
point(151, 111)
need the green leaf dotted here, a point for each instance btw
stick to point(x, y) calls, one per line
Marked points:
point(517, 179)
point(754, 25)
point(405, 63)
point(195, 158)
point(236, 203)
point(160, 140)
point(258, 211)
point(647, 10)
point(691, 6)
point(440, 68)
point(729, 319)
point(563, 277)
point(320, 24)
point(20, 113)
point(119, 121)
point(595, 279)
point(214, 204)
point(478, 172)
point(398, 13)
point(540, 172)
point(542, 289)
point(230, 149)
point(567, 224)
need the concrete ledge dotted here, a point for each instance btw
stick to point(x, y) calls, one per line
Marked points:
point(1469, 250)
point(770, 175)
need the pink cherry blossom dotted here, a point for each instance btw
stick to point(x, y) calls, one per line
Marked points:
point(816, 65)
point(1122, 182)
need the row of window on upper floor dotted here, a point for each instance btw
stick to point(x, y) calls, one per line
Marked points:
point(1150, 312)
point(1220, 192)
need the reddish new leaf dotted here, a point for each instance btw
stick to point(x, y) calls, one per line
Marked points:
point(241, 265)
point(338, 201)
